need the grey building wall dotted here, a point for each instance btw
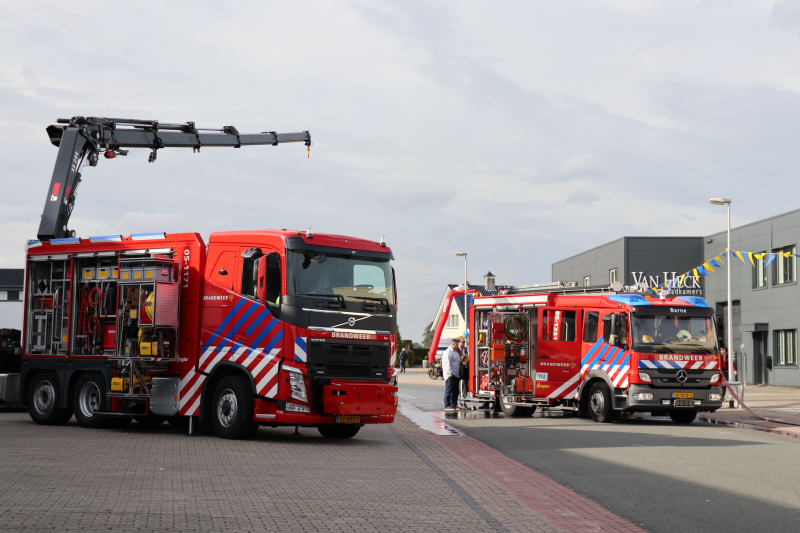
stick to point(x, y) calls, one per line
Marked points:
point(762, 310)
point(595, 263)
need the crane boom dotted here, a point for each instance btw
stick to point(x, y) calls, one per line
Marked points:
point(82, 139)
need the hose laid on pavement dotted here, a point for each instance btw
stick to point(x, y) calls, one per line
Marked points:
point(730, 389)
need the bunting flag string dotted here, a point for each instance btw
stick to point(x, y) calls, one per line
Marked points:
point(707, 268)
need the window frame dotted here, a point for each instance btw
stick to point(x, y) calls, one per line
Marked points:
point(779, 259)
point(4, 296)
point(587, 281)
point(586, 329)
point(612, 275)
point(782, 348)
point(565, 331)
point(760, 263)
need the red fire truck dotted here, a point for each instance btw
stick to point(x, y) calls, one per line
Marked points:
point(264, 327)
point(598, 353)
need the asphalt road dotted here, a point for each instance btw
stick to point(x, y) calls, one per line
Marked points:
point(663, 477)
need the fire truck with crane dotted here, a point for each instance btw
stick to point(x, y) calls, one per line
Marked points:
point(595, 351)
point(260, 327)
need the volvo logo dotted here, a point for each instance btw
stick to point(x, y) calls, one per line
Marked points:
point(352, 322)
point(682, 375)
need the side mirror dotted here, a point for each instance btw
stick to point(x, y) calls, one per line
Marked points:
point(611, 329)
point(261, 279)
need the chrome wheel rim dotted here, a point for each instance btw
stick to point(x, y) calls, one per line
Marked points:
point(227, 408)
point(597, 402)
point(506, 402)
point(44, 397)
point(89, 399)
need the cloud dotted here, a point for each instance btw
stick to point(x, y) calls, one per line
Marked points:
point(580, 166)
point(581, 197)
point(786, 14)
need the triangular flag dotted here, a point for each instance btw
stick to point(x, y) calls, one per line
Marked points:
point(716, 262)
point(771, 258)
point(708, 267)
point(702, 270)
point(680, 281)
point(696, 275)
point(740, 255)
point(750, 256)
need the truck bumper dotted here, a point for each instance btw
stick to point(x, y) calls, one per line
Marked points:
point(354, 398)
point(638, 399)
point(9, 388)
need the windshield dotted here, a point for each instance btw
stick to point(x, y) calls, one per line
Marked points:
point(353, 277)
point(673, 334)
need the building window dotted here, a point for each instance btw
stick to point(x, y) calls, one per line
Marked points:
point(784, 269)
point(612, 276)
point(452, 321)
point(786, 347)
point(3, 295)
point(586, 281)
point(760, 272)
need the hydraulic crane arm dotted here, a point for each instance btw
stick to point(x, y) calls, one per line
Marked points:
point(82, 140)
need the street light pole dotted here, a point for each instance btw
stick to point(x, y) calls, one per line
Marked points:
point(726, 201)
point(466, 306)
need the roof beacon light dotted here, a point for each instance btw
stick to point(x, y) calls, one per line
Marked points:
point(109, 154)
point(309, 232)
point(383, 241)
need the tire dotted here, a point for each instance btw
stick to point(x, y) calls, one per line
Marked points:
point(43, 400)
point(599, 404)
point(514, 411)
point(89, 397)
point(233, 408)
point(432, 373)
point(150, 420)
point(683, 417)
point(339, 431)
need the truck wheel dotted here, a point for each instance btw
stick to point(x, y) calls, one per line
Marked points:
point(339, 431)
point(43, 401)
point(233, 409)
point(683, 417)
point(514, 411)
point(88, 398)
point(600, 407)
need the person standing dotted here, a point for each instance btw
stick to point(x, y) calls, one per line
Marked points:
point(403, 359)
point(451, 361)
point(463, 370)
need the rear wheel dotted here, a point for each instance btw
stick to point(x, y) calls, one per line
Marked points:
point(89, 398)
point(514, 411)
point(339, 431)
point(683, 417)
point(233, 409)
point(43, 401)
point(600, 407)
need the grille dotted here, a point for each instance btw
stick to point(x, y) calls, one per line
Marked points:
point(674, 371)
point(349, 354)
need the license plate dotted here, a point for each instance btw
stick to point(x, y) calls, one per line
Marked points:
point(683, 395)
point(348, 419)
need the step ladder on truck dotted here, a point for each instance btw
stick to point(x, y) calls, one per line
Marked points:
point(598, 352)
point(260, 327)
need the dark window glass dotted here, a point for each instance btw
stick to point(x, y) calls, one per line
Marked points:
point(785, 347)
point(559, 325)
point(274, 279)
point(590, 327)
point(760, 272)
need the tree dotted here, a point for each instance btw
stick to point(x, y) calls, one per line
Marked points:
point(399, 347)
point(427, 335)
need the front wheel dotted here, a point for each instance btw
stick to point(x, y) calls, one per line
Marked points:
point(600, 407)
point(339, 431)
point(514, 411)
point(89, 398)
point(683, 417)
point(432, 373)
point(233, 409)
point(43, 401)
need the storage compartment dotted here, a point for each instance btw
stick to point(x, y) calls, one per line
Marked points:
point(88, 274)
point(107, 273)
point(356, 398)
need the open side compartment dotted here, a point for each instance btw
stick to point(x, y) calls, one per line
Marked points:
point(49, 290)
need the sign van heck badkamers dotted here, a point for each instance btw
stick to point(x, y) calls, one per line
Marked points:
point(689, 287)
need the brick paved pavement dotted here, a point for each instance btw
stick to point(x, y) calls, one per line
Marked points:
point(158, 479)
point(779, 404)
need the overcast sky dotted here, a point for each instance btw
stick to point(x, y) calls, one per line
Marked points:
point(519, 132)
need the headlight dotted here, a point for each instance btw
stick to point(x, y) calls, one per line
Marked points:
point(298, 385)
point(714, 378)
point(715, 397)
point(643, 395)
point(644, 376)
point(293, 407)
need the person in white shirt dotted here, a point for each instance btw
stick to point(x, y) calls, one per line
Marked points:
point(451, 360)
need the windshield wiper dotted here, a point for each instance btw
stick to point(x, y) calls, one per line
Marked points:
point(384, 301)
point(338, 297)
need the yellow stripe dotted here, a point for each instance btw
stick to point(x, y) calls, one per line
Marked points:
point(696, 275)
point(750, 256)
point(708, 266)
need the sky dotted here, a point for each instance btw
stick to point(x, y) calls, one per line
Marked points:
point(520, 132)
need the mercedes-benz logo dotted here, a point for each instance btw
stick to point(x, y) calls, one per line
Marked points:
point(682, 375)
point(352, 322)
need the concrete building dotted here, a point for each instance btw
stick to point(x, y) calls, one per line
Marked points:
point(765, 298)
point(11, 285)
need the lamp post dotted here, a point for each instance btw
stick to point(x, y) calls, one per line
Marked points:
point(726, 201)
point(466, 306)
